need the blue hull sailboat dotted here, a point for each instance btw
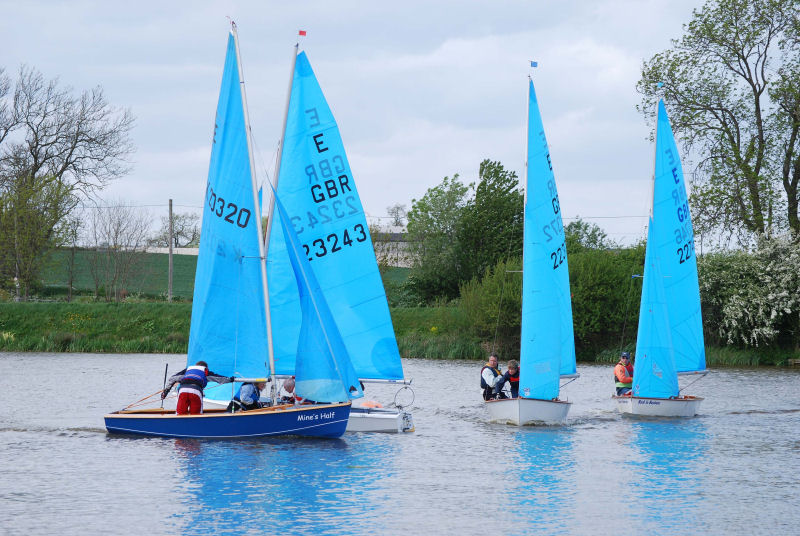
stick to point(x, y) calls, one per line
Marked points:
point(230, 327)
point(317, 188)
point(670, 337)
point(547, 346)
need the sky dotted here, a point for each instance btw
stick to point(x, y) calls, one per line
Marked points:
point(421, 90)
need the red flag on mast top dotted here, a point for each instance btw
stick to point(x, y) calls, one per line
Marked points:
point(302, 32)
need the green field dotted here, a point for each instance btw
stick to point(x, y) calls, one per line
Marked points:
point(151, 280)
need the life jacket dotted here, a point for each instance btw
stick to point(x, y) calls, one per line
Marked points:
point(238, 395)
point(495, 373)
point(195, 378)
point(623, 370)
point(514, 379)
point(237, 398)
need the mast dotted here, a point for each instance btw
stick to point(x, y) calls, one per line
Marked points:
point(254, 185)
point(264, 241)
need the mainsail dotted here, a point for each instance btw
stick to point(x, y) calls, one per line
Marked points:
point(547, 347)
point(670, 336)
point(316, 187)
point(228, 330)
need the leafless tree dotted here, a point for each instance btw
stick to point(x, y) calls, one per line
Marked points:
point(117, 236)
point(397, 213)
point(185, 231)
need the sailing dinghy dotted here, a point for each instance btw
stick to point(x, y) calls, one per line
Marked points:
point(230, 327)
point(670, 336)
point(547, 346)
point(316, 186)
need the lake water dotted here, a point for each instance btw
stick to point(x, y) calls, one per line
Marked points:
point(732, 470)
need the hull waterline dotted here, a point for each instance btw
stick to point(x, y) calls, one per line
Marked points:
point(325, 420)
point(523, 411)
point(685, 406)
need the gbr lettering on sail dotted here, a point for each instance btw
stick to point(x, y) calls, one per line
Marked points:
point(684, 235)
point(333, 199)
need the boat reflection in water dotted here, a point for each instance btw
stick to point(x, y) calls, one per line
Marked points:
point(305, 486)
point(666, 476)
point(544, 495)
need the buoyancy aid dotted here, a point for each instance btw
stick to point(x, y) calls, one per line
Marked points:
point(514, 380)
point(495, 373)
point(621, 373)
point(195, 377)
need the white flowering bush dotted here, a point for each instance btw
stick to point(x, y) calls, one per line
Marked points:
point(752, 298)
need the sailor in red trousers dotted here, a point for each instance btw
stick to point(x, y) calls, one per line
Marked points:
point(192, 382)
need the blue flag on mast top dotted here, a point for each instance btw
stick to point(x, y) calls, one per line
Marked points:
point(534, 64)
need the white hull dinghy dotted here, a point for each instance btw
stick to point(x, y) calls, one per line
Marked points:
point(525, 411)
point(669, 341)
point(316, 186)
point(547, 345)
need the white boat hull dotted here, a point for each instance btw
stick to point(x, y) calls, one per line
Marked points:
point(361, 419)
point(522, 411)
point(685, 406)
point(379, 420)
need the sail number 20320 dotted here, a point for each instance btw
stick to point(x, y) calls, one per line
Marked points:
point(229, 212)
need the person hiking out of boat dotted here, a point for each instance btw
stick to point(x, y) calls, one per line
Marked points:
point(511, 376)
point(490, 376)
point(192, 380)
point(247, 397)
point(623, 374)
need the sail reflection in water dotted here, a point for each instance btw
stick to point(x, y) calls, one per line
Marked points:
point(543, 498)
point(301, 487)
point(666, 476)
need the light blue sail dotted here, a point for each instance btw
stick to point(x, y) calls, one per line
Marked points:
point(670, 338)
point(228, 329)
point(547, 347)
point(317, 189)
point(323, 370)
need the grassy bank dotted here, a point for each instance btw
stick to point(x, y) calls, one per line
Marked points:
point(95, 327)
point(157, 327)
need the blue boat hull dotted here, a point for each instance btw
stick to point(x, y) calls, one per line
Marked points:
point(326, 420)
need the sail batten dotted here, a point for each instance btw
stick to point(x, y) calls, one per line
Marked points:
point(547, 346)
point(670, 335)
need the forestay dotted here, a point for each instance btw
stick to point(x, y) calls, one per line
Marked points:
point(670, 336)
point(317, 190)
point(548, 345)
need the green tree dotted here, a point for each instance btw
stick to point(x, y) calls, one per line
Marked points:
point(491, 225)
point(492, 305)
point(730, 84)
point(55, 149)
point(582, 235)
point(432, 237)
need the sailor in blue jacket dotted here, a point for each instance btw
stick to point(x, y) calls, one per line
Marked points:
point(192, 381)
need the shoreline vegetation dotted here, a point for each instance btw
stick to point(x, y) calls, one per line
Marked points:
point(160, 327)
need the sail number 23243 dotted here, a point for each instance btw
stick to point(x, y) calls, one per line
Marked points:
point(335, 242)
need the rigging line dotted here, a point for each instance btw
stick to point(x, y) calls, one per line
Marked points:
point(627, 310)
point(503, 287)
point(690, 384)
